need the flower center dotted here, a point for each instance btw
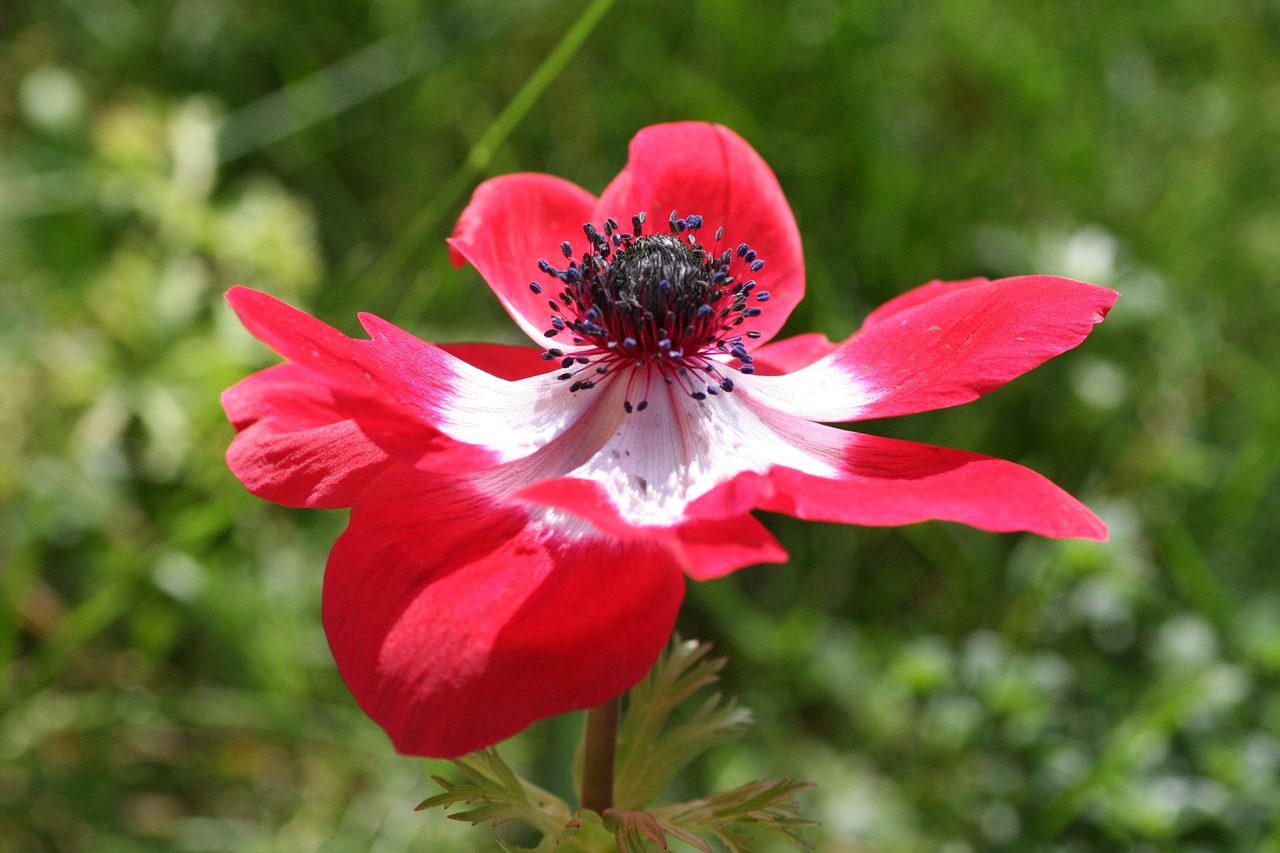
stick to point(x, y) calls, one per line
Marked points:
point(663, 304)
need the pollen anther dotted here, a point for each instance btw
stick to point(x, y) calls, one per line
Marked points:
point(654, 299)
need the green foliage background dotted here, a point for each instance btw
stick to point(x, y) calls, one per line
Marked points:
point(166, 683)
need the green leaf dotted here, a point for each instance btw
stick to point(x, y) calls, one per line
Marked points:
point(734, 818)
point(763, 806)
point(631, 829)
point(495, 795)
point(652, 750)
point(585, 833)
point(634, 830)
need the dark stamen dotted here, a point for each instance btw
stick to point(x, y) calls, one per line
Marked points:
point(654, 301)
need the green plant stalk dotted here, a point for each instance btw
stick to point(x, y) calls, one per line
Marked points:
point(601, 744)
point(428, 218)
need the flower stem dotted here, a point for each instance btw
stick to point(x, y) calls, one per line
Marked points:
point(597, 766)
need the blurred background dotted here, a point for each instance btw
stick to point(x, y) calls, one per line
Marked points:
point(166, 683)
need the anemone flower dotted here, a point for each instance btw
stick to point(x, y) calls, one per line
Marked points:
point(522, 519)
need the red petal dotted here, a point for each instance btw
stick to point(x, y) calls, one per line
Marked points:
point(295, 445)
point(738, 495)
point(501, 360)
point(340, 361)
point(947, 350)
point(398, 387)
point(513, 222)
point(791, 354)
point(972, 339)
point(712, 549)
point(587, 500)
point(889, 482)
point(706, 169)
point(918, 296)
point(707, 547)
point(457, 621)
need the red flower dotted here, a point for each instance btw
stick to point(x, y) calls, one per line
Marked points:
point(522, 520)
